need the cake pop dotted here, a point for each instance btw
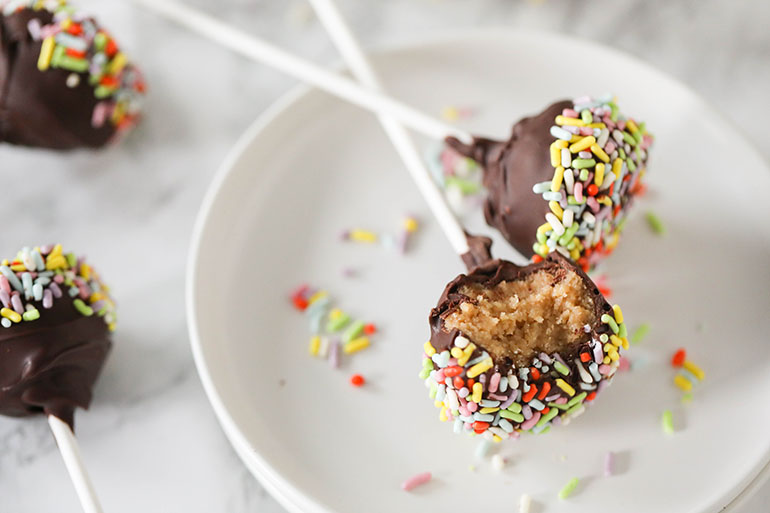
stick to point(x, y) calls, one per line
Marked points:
point(64, 83)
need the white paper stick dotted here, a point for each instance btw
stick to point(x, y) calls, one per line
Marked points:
point(351, 51)
point(261, 51)
point(70, 453)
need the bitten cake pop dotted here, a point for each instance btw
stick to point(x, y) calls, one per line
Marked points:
point(564, 180)
point(64, 83)
point(57, 317)
point(520, 348)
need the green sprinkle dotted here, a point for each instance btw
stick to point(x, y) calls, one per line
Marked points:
point(100, 41)
point(574, 408)
point(667, 422)
point(569, 233)
point(467, 187)
point(515, 408)
point(58, 54)
point(583, 175)
point(83, 308)
point(547, 417)
point(545, 430)
point(569, 488)
point(583, 163)
point(31, 315)
point(622, 330)
point(577, 399)
point(424, 374)
point(637, 136)
point(640, 333)
point(615, 110)
point(353, 331)
point(72, 259)
point(656, 225)
point(541, 238)
point(102, 92)
point(427, 363)
point(563, 369)
point(334, 325)
point(686, 398)
point(631, 165)
point(608, 319)
point(586, 116)
point(563, 407)
point(433, 389)
point(72, 64)
point(622, 153)
point(628, 138)
point(516, 417)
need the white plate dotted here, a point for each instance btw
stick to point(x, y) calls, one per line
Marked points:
point(313, 166)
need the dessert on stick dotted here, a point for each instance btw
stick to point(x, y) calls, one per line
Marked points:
point(64, 81)
point(56, 321)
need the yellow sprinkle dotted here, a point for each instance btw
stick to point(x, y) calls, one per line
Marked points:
point(599, 174)
point(697, 371)
point(442, 416)
point(363, 236)
point(450, 113)
point(480, 367)
point(496, 439)
point(315, 344)
point(111, 326)
point(5, 261)
point(614, 355)
point(356, 345)
point(618, 314)
point(556, 209)
point(607, 347)
point(96, 296)
point(544, 228)
point(565, 386)
point(613, 241)
point(336, 313)
point(85, 272)
point(558, 176)
point(478, 389)
point(456, 352)
point(562, 120)
point(542, 250)
point(616, 340)
point(555, 155)
point(582, 144)
point(606, 360)
point(617, 165)
point(57, 250)
point(597, 125)
point(18, 268)
point(318, 295)
point(429, 349)
point(599, 152)
point(438, 404)
point(604, 200)
point(489, 410)
point(57, 262)
point(574, 254)
point(624, 342)
point(682, 382)
point(575, 138)
point(10, 314)
point(410, 224)
point(467, 352)
point(632, 126)
point(65, 23)
point(117, 63)
point(46, 52)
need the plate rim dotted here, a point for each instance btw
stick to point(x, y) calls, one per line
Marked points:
point(281, 489)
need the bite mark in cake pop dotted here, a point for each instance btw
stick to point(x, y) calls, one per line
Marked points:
point(57, 317)
point(520, 348)
point(65, 82)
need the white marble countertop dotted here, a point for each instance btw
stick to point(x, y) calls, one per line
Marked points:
point(150, 439)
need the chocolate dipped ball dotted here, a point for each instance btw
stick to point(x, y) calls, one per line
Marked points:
point(564, 180)
point(64, 83)
point(55, 333)
point(517, 349)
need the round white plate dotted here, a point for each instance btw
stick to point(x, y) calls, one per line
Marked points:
point(314, 166)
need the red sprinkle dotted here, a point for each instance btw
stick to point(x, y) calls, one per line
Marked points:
point(75, 29)
point(535, 373)
point(459, 382)
point(544, 392)
point(584, 357)
point(530, 394)
point(357, 380)
point(678, 359)
point(300, 303)
point(370, 329)
point(74, 53)
point(451, 372)
point(112, 48)
point(480, 427)
point(537, 258)
point(591, 396)
point(593, 190)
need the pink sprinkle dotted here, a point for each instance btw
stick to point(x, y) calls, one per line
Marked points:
point(463, 393)
point(415, 481)
point(604, 369)
point(5, 298)
point(624, 364)
point(609, 464)
point(592, 204)
point(439, 376)
point(464, 411)
point(452, 362)
point(586, 130)
point(4, 285)
point(621, 124)
point(529, 424)
point(53, 287)
point(498, 397)
point(494, 382)
point(561, 400)
point(610, 147)
point(448, 160)
point(58, 279)
point(16, 303)
point(569, 113)
point(334, 354)
point(472, 407)
point(99, 116)
point(578, 192)
point(47, 299)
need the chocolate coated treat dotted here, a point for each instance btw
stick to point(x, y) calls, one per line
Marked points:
point(62, 88)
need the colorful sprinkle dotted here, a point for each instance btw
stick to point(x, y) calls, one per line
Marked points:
point(415, 481)
point(525, 503)
point(565, 492)
point(667, 422)
point(679, 357)
point(357, 380)
point(609, 464)
point(656, 225)
point(640, 333)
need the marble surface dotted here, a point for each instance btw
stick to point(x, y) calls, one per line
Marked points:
point(150, 439)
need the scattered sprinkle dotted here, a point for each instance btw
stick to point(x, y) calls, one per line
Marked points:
point(357, 380)
point(525, 503)
point(409, 227)
point(415, 481)
point(640, 333)
point(565, 492)
point(498, 462)
point(667, 422)
point(678, 359)
point(459, 176)
point(656, 225)
point(609, 464)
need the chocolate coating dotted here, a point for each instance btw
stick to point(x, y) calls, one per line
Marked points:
point(49, 366)
point(495, 271)
point(511, 168)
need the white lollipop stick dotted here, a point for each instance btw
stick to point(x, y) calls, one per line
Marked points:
point(351, 51)
point(261, 51)
point(70, 453)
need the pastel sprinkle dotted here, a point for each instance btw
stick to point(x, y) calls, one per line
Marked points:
point(656, 225)
point(640, 333)
point(667, 422)
point(415, 481)
point(525, 503)
point(565, 492)
point(609, 464)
